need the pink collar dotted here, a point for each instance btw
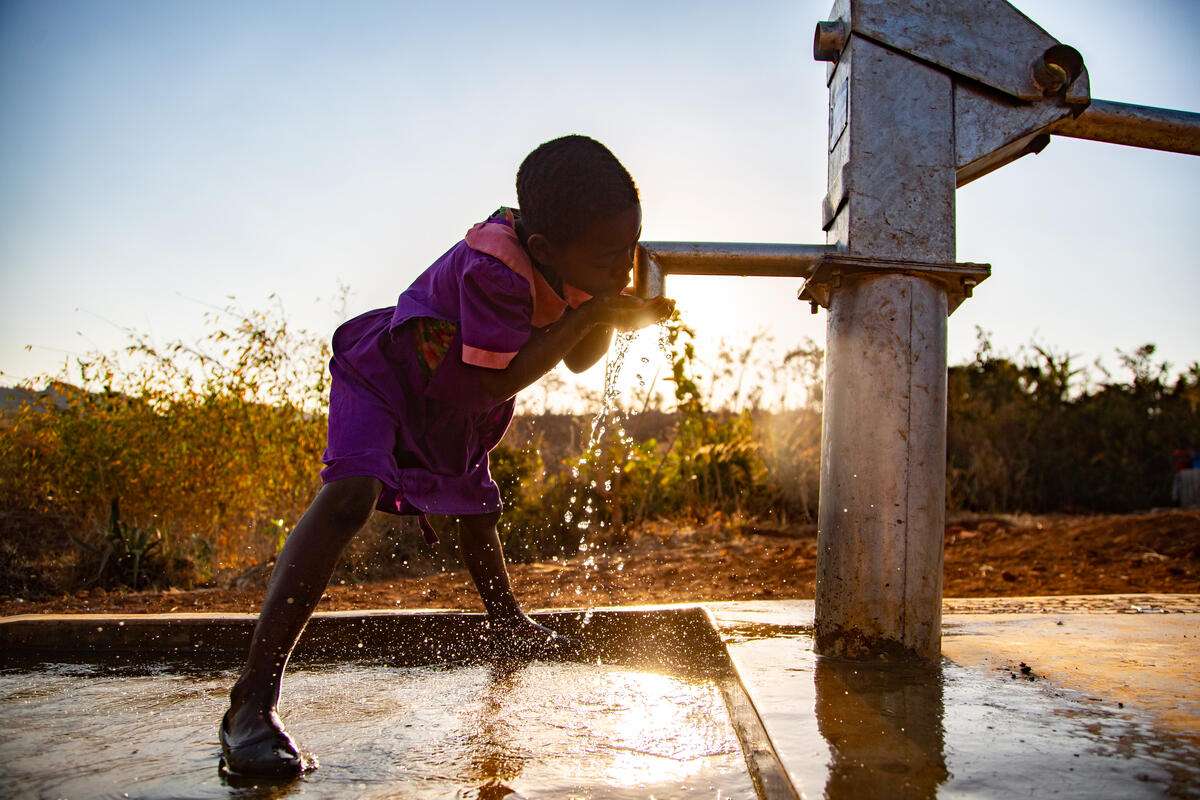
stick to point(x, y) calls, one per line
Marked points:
point(500, 241)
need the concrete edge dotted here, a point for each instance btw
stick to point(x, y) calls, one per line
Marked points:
point(680, 636)
point(766, 768)
point(1048, 604)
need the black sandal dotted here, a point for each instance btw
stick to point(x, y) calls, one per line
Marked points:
point(270, 754)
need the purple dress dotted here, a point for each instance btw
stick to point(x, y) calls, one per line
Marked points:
point(406, 405)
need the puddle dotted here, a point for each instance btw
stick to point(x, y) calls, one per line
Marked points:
point(847, 730)
point(544, 730)
point(735, 632)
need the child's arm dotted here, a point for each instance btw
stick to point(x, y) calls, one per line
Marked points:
point(590, 349)
point(549, 346)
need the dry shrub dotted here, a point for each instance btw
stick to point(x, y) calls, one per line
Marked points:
point(1035, 432)
point(211, 450)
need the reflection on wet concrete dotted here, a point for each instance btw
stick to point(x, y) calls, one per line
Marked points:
point(496, 758)
point(883, 725)
point(483, 732)
point(982, 729)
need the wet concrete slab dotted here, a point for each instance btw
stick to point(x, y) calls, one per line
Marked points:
point(1149, 665)
point(1087, 697)
point(419, 733)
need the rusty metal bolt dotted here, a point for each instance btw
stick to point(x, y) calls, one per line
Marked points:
point(1050, 78)
point(829, 39)
point(1057, 68)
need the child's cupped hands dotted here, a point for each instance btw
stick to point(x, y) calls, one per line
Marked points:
point(628, 313)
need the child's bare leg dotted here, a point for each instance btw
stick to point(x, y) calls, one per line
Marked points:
point(301, 574)
point(484, 557)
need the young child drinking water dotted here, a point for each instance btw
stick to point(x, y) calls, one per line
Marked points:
point(424, 389)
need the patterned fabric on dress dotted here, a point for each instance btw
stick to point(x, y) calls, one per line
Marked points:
point(433, 338)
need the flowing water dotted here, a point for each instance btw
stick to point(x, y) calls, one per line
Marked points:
point(68, 731)
point(592, 478)
point(599, 482)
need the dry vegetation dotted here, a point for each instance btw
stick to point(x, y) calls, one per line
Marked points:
point(184, 466)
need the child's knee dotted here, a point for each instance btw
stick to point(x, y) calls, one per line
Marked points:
point(479, 524)
point(347, 503)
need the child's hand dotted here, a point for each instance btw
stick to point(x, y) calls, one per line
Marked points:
point(628, 313)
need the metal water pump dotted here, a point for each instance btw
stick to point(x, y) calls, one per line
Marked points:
point(924, 96)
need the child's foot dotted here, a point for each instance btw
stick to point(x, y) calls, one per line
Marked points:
point(254, 744)
point(520, 637)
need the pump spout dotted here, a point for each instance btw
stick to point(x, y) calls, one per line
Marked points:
point(655, 259)
point(1135, 126)
point(649, 280)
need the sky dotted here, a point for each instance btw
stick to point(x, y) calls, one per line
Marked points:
point(159, 158)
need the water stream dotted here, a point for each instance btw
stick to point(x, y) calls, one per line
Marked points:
point(607, 417)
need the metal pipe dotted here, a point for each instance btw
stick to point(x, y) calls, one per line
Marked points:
point(735, 258)
point(1136, 126)
point(881, 516)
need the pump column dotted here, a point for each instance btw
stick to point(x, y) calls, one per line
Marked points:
point(883, 448)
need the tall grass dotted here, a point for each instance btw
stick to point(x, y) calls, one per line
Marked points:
point(209, 449)
point(166, 464)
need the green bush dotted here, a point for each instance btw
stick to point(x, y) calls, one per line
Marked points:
point(1035, 433)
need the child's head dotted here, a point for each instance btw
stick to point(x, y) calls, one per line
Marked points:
point(581, 214)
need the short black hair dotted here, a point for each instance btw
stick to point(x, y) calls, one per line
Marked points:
point(567, 182)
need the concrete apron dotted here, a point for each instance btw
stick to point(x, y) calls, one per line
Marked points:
point(1071, 697)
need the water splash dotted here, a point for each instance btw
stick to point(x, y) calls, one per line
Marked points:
point(607, 414)
point(609, 417)
point(606, 417)
point(664, 342)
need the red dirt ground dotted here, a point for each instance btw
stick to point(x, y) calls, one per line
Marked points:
point(986, 556)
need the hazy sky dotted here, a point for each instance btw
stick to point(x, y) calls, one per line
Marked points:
point(156, 156)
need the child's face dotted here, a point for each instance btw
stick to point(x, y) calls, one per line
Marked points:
point(601, 259)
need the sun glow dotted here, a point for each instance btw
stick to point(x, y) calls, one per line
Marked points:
point(663, 730)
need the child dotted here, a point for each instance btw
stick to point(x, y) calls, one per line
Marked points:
point(423, 390)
